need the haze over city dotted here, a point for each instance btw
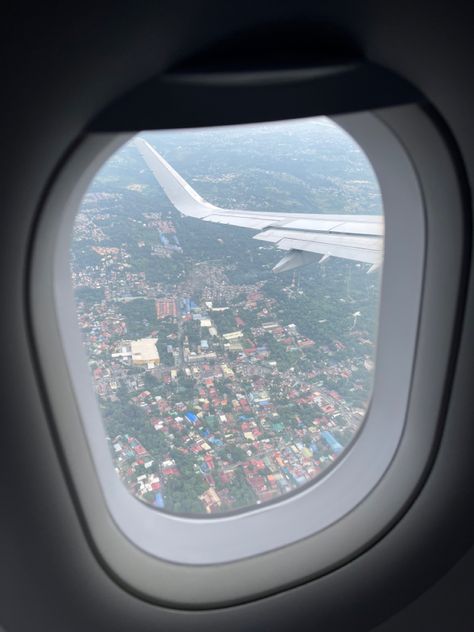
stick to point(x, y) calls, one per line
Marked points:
point(222, 385)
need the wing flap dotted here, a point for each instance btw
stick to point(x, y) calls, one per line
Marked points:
point(359, 248)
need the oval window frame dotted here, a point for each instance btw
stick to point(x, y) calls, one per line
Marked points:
point(210, 574)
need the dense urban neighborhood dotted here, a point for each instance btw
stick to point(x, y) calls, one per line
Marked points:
point(221, 384)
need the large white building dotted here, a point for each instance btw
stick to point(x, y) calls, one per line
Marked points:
point(144, 352)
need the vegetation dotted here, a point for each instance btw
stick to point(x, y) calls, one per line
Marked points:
point(140, 317)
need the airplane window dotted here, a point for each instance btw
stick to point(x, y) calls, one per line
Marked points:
point(227, 285)
point(229, 378)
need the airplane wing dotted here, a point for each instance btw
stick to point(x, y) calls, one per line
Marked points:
point(304, 236)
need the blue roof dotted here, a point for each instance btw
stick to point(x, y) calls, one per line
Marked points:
point(159, 500)
point(215, 441)
point(301, 480)
point(331, 441)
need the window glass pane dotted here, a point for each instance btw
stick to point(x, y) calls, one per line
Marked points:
point(232, 354)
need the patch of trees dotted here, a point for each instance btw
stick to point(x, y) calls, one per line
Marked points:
point(182, 492)
point(84, 256)
point(124, 418)
point(89, 295)
point(243, 494)
point(140, 317)
point(192, 329)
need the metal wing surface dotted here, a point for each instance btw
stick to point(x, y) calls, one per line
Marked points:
point(303, 235)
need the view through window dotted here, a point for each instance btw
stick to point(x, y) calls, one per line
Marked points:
point(230, 335)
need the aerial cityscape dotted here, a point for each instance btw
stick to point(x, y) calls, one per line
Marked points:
point(221, 384)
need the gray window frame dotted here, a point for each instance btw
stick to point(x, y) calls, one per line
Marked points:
point(190, 562)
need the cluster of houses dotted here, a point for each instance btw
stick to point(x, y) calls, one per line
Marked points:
point(246, 420)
